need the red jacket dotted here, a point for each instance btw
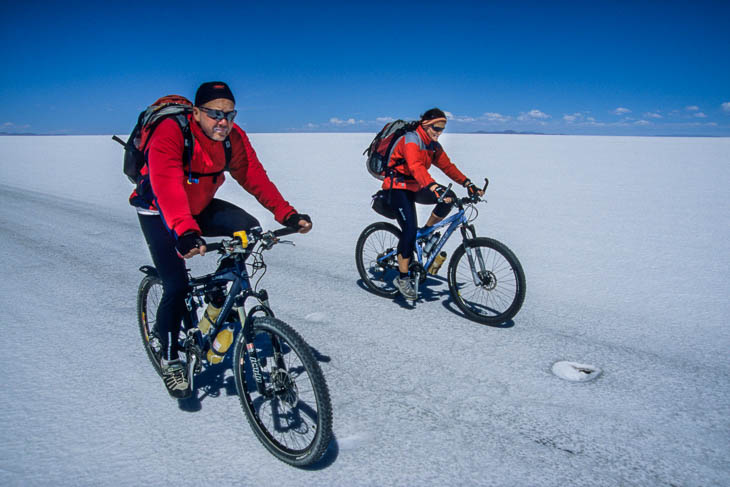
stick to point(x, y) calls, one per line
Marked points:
point(168, 190)
point(419, 152)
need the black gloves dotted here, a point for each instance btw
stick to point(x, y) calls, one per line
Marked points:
point(437, 189)
point(187, 242)
point(292, 221)
point(471, 188)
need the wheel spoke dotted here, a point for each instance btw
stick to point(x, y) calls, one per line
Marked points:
point(491, 294)
point(149, 296)
point(293, 417)
point(375, 242)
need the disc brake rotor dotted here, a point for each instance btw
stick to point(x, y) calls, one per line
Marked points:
point(488, 280)
point(285, 388)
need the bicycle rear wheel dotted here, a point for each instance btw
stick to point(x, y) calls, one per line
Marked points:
point(149, 295)
point(376, 241)
point(293, 418)
point(486, 281)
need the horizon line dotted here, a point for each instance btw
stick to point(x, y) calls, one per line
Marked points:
point(479, 132)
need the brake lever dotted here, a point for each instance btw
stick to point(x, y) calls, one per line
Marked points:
point(269, 240)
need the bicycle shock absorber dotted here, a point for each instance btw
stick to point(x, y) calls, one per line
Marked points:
point(251, 349)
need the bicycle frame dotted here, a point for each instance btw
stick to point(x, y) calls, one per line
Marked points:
point(454, 221)
point(236, 297)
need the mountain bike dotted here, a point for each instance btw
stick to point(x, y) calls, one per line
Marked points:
point(485, 278)
point(280, 384)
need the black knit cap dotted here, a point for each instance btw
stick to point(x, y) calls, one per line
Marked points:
point(212, 90)
point(433, 114)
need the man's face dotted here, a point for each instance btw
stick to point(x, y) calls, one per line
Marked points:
point(215, 129)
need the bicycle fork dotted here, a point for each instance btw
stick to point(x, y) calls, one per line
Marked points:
point(248, 339)
point(476, 271)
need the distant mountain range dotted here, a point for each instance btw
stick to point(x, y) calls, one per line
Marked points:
point(508, 132)
point(501, 132)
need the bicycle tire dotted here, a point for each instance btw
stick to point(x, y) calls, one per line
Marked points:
point(149, 294)
point(501, 290)
point(299, 409)
point(378, 239)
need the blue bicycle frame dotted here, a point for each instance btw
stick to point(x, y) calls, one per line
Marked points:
point(454, 221)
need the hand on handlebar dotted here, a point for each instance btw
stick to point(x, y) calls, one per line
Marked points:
point(440, 192)
point(190, 244)
point(473, 190)
point(299, 221)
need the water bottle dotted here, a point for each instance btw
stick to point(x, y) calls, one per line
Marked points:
point(437, 262)
point(431, 242)
point(222, 341)
point(209, 316)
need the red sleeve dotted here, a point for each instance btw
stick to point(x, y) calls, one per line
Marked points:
point(444, 163)
point(416, 165)
point(251, 175)
point(165, 162)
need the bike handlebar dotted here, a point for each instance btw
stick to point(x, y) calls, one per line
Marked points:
point(284, 231)
point(473, 198)
point(269, 238)
point(213, 246)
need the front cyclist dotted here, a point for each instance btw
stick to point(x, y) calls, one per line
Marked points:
point(411, 158)
point(175, 210)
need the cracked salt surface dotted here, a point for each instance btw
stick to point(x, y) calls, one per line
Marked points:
point(420, 396)
point(575, 372)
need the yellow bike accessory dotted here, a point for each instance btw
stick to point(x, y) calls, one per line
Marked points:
point(244, 238)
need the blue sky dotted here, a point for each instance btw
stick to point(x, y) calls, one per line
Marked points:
point(582, 67)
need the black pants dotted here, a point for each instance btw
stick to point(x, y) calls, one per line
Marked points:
point(218, 219)
point(404, 204)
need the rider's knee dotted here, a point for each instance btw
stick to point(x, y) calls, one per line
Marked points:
point(442, 210)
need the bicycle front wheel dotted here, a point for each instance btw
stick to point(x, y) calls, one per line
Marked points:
point(486, 281)
point(149, 295)
point(377, 272)
point(293, 416)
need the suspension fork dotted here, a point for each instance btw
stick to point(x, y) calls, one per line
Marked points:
point(248, 337)
point(470, 253)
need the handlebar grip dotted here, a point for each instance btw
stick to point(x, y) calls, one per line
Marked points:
point(213, 247)
point(282, 232)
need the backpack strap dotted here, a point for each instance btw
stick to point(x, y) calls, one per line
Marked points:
point(227, 149)
point(390, 169)
point(188, 139)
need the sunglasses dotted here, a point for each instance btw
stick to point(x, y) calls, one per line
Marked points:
point(436, 128)
point(219, 115)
